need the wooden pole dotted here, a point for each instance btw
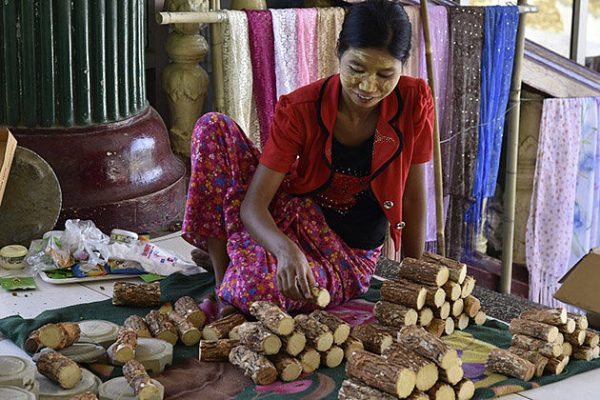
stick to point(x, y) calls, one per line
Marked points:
point(216, 46)
point(512, 156)
point(437, 152)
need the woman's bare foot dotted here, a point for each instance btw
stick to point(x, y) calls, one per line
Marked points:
point(214, 307)
point(201, 259)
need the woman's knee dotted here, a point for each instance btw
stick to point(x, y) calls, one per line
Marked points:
point(214, 124)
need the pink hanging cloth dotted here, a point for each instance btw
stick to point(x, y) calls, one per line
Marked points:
point(306, 28)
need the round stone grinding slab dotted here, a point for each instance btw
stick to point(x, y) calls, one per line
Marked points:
point(154, 354)
point(50, 390)
point(119, 389)
point(16, 371)
point(98, 331)
point(15, 393)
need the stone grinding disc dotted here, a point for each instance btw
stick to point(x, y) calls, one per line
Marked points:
point(50, 390)
point(119, 389)
point(98, 331)
point(15, 393)
point(84, 352)
point(154, 354)
point(32, 199)
point(16, 371)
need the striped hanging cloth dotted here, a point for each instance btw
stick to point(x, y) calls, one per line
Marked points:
point(550, 223)
point(306, 19)
point(286, 50)
point(329, 25)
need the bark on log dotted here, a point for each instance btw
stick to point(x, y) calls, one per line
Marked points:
point(452, 375)
point(355, 390)
point(320, 296)
point(310, 359)
point(256, 366)
point(317, 334)
point(533, 357)
point(443, 312)
point(351, 345)
point(123, 349)
point(143, 386)
point(188, 308)
point(450, 326)
point(59, 369)
point(580, 320)
point(568, 327)
point(546, 349)
point(480, 318)
point(188, 333)
point(591, 339)
point(583, 353)
point(294, 344)
point(404, 292)
point(333, 357)
point(472, 306)
point(59, 336)
point(426, 372)
point(256, 337)
point(423, 272)
point(576, 338)
point(534, 329)
point(85, 396)
point(425, 316)
point(234, 333)
point(394, 314)
point(377, 372)
point(288, 368)
point(220, 329)
point(465, 389)
point(555, 366)
point(339, 328)
point(457, 270)
point(216, 350)
point(551, 316)
point(136, 295)
point(507, 363)
point(138, 325)
point(373, 338)
point(457, 308)
point(441, 391)
point(428, 346)
point(468, 286)
point(435, 296)
point(32, 343)
point(453, 290)
point(462, 322)
point(273, 317)
point(161, 327)
point(437, 327)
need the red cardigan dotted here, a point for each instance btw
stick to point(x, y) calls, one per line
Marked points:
point(299, 143)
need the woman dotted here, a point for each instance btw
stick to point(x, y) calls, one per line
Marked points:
point(344, 160)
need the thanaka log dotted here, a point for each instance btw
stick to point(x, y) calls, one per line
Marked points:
point(59, 336)
point(161, 327)
point(188, 308)
point(351, 345)
point(567, 349)
point(568, 327)
point(437, 327)
point(461, 322)
point(256, 337)
point(138, 325)
point(554, 366)
point(310, 359)
point(465, 389)
point(453, 290)
point(534, 329)
point(591, 339)
point(552, 316)
point(425, 370)
point(59, 369)
point(220, 328)
point(123, 349)
point(584, 353)
point(457, 270)
point(216, 350)
point(188, 333)
point(452, 375)
point(394, 314)
point(425, 316)
point(467, 287)
point(480, 318)
point(576, 338)
point(472, 306)
point(333, 357)
point(273, 317)
point(546, 349)
point(339, 328)
point(294, 344)
point(506, 363)
point(443, 312)
point(404, 292)
point(136, 295)
point(355, 390)
point(377, 372)
point(317, 334)
point(373, 338)
point(320, 296)
point(441, 391)
point(533, 357)
point(143, 386)
point(450, 326)
point(256, 366)
point(288, 368)
point(421, 271)
point(233, 333)
point(428, 346)
point(457, 308)
point(580, 320)
point(435, 296)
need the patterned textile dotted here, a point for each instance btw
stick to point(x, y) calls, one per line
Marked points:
point(550, 223)
point(587, 195)
point(329, 25)
point(286, 50)
point(307, 45)
point(237, 74)
point(223, 161)
point(496, 71)
point(460, 126)
point(260, 29)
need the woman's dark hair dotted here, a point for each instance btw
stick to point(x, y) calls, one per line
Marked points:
point(381, 24)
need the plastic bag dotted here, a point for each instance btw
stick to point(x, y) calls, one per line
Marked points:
point(83, 241)
point(48, 254)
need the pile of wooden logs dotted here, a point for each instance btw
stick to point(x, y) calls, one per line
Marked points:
point(434, 292)
point(543, 342)
point(413, 364)
point(277, 345)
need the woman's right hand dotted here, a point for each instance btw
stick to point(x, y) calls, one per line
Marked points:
point(294, 275)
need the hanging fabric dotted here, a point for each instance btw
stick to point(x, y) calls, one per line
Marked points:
point(587, 193)
point(500, 31)
point(411, 66)
point(329, 26)
point(460, 128)
point(286, 50)
point(237, 74)
point(550, 222)
point(438, 29)
point(260, 29)
point(306, 19)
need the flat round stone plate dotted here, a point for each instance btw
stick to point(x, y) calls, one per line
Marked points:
point(119, 389)
point(32, 199)
point(50, 390)
point(16, 371)
point(84, 352)
point(154, 354)
point(15, 393)
point(98, 331)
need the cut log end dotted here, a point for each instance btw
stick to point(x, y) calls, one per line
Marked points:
point(449, 359)
point(442, 391)
point(449, 326)
point(453, 375)
point(59, 369)
point(406, 383)
point(425, 317)
point(168, 336)
point(321, 296)
point(288, 368)
point(341, 334)
point(480, 318)
point(351, 345)
point(324, 342)
point(427, 377)
point(216, 350)
point(465, 389)
point(294, 343)
point(334, 356)
point(310, 360)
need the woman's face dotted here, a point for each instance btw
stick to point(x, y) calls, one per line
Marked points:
point(368, 75)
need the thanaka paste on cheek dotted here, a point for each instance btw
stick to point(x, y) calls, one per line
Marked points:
point(372, 60)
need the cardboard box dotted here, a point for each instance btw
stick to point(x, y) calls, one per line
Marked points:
point(581, 286)
point(8, 145)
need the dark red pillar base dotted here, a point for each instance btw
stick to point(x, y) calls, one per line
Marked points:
point(119, 175)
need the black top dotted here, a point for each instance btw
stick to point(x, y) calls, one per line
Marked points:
point(348, 204)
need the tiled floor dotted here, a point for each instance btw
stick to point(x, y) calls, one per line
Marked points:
point(584, 386)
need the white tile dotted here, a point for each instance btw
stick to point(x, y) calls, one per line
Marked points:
point(585, 386)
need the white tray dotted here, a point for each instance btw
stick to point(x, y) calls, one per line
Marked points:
point(108, 277)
